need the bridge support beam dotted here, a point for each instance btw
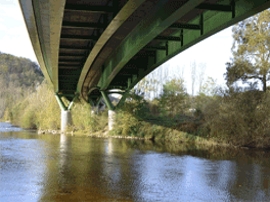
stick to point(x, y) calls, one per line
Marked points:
point(94, 105)
point(123, 98)
point(66, 117)
point(111, 110)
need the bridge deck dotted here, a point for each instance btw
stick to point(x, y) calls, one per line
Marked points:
point(87, 46)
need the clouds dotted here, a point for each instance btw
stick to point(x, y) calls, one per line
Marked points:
point(14, 38)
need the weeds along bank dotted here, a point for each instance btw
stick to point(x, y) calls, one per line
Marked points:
point(232, 118)
point(38, 110)
point(41, 111)
point(240, 118)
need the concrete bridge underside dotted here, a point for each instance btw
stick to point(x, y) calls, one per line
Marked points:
point(90, 47)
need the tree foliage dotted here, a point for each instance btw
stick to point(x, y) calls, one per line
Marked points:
point(174, 97)
point(18, 78)
point(251, 51)
point(146, 87)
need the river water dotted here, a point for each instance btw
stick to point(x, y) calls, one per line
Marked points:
point(64, 168)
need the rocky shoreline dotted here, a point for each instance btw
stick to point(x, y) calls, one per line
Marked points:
point(101, 134)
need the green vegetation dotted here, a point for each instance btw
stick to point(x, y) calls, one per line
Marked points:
point(18, 78)
point(251, 51)
point(236, 115)
point(38, 110)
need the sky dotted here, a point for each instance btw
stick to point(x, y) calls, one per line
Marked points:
point(14, 37)
point(214, 51)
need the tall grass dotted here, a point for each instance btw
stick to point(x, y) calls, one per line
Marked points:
point(84, 119)
point(38, 110)
point(236, 118)
point(240, 118)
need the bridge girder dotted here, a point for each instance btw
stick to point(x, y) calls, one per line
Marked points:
point(86, 46)
point(210, 19)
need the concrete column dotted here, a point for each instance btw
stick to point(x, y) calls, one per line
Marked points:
point(111, 119)
point(66, 119)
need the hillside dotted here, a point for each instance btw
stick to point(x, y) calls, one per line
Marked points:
point(18, 77)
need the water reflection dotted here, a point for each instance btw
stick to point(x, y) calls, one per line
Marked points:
point(64, 168)
point(21, 169)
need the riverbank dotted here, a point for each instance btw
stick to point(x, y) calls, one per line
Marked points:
point(158, 133)
point(150, 132)
point(237, 119)
point(99, 134)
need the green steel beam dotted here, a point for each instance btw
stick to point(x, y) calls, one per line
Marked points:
point(156, 48)
point(72, 102)
point(67, 77)
point(62, 105)
point(83, 25)
point(123, 99)
point(201, 24)
point(140, 36)
point(107, 100)
point(215, 7)
point(79, 37)
point(168, 38)
point(67, 95)
point(72, 54)
point(185, 26)
point(44, 20)
point(60, 102)
point(114, 25)
point(74, 47)
point(91, 102)
point(212, 22)
point(98, 9)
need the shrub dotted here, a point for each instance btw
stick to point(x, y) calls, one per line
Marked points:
point(240, 118)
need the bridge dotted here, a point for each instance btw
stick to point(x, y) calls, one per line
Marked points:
point(90, 48)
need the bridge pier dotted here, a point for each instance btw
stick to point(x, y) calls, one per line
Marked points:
point(111, 110)
point(66, 117)
point(111, 119)
point(66, 120)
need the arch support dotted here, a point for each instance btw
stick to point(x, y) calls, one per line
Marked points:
point(107, 100)
point(66, 117)
point(111, 110)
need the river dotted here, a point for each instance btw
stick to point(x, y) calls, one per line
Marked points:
point(64, 168)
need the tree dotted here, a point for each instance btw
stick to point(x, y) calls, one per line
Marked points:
point(251, 51)
point(209, 87)
point(174, 97)
point(200, 75)
point(145, 87)
point(193, 76)
point(18, 78)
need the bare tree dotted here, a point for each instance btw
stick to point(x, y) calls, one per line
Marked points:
point(201, 75)
point(193, 76)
